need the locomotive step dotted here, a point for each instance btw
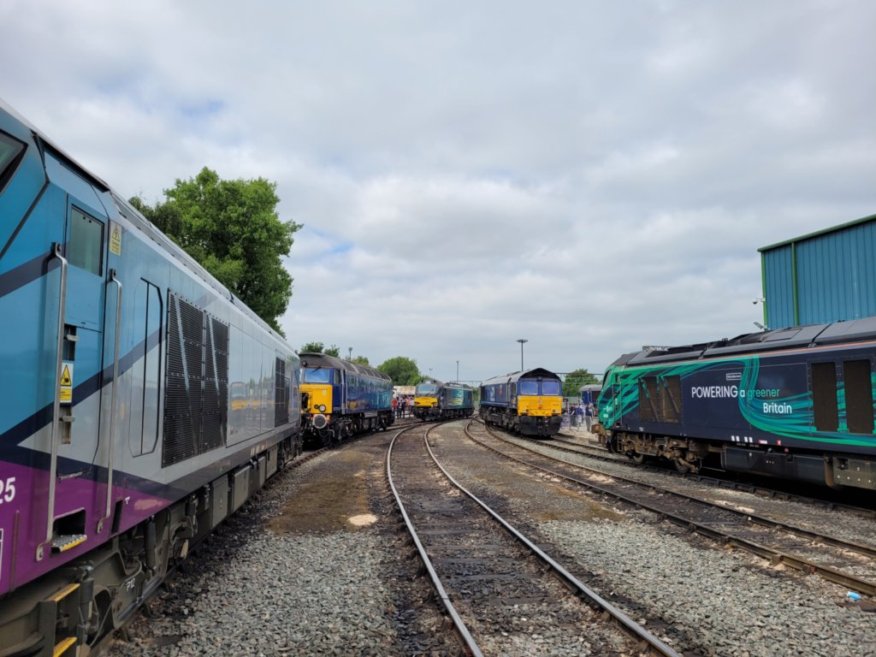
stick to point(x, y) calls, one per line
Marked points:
point(67, 542)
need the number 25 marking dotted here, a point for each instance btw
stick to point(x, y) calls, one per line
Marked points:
point(7, 490)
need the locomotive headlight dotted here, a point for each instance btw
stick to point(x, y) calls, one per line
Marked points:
point(320, 408)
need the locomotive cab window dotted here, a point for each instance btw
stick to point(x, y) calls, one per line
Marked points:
point(318, 375)
point(10, 155)
point(85, 246)
point(550, 387)
point(528, 388)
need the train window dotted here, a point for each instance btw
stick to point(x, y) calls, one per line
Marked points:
point(317, 375)
point(859, 396)
point(824, 396)
point(550, 387)
point(84, 248)
point(647, 398)
point(668, 400)
point(10, 155)
point(527, 387)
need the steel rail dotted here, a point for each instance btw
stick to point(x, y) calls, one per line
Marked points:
point(633, 628)
point(470, 644)
point(799, 563)
point(728, 483)
point(861, 548)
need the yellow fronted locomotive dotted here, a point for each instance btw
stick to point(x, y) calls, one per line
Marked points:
point(434, 400)
point(342, 399)
point(529, 403)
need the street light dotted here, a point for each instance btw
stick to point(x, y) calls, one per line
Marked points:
point(457, 371)
point(522, 342)
point(349, 353)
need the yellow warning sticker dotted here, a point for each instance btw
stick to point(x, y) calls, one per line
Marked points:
point(115, 242)
point(65, 383)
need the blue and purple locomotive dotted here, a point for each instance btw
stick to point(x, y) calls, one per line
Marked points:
point(342, 399)
point(118, 353)
point(795, 403)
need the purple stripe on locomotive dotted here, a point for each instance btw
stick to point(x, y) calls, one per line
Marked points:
point(25, 516)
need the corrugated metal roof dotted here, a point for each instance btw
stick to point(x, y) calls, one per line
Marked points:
point(818, 233)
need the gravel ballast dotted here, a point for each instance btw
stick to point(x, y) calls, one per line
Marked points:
point(333, 580)
point(317, 565)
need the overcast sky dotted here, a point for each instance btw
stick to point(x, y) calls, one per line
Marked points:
point(590, 176)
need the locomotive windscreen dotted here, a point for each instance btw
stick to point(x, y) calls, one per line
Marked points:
point(10, 149)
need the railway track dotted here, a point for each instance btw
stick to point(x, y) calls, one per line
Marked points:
point(489, 575)
point(722, 479)
point(849, 563)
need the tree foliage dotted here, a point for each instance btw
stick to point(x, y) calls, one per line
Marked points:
point(575, 379)
point(361, 360)
point(334, 350)
point(402, 370)
point(312, 348)
point(232, 229)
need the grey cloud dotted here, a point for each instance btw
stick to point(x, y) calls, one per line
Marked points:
point(592, 176)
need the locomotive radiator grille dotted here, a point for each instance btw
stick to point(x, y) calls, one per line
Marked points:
point(196, 391)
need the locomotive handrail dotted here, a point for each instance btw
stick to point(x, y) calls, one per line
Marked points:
point(112, 422)
point(56, 401)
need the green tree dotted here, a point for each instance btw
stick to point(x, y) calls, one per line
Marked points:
point(312, 348)
point(361, 360)
point(402, 370)
point(232, 229)
point(334, 350)
point(575, 379)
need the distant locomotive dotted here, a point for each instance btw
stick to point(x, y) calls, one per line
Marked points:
point(795, 403)
point(434, 400)
point(119, 448)
point(342, 399)
point(590, 393)
point(529, 403)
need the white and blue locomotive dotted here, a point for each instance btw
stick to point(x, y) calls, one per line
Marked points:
point(117, 448)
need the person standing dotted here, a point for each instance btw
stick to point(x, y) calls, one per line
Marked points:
point(588, 416)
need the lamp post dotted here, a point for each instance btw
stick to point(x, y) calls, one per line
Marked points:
point(349, 353)
point(522, 342)
point(457, 371)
